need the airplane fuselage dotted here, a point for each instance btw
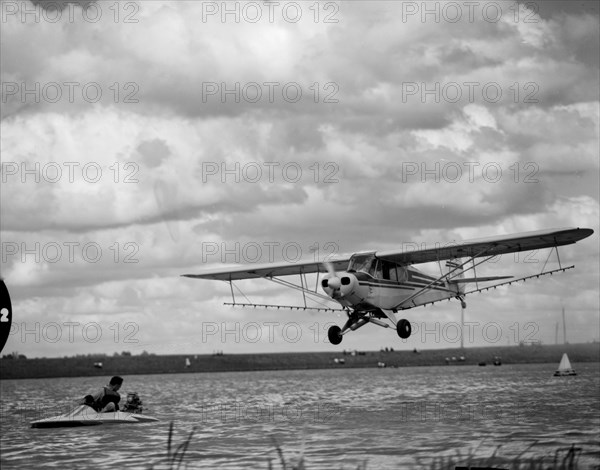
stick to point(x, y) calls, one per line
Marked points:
point(381, 285)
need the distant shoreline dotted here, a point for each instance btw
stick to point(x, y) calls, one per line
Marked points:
point(172, 364)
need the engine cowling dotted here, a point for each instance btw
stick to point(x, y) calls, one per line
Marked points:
point(340, 286)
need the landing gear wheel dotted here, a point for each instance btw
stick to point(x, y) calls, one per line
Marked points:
point(335, 334)
point(403, 328)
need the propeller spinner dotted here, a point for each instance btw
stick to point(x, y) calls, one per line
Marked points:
point(338, 286)
point(333, 281)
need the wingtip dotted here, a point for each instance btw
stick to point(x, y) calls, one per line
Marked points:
point(586, 232)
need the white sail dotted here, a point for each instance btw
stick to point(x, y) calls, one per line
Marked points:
point(565, 364)
point(564, 368)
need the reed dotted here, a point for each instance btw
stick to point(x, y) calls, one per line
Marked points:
point(563, 459)
point(174, 458)
point(566, 458)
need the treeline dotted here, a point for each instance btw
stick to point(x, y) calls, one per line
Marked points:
point(85, 365)
point(16, 355)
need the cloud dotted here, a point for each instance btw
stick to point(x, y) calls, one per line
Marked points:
point(406, 130)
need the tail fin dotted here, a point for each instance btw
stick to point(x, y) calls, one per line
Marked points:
point(454, 267)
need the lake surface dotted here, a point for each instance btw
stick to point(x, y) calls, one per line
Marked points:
point(386, 418)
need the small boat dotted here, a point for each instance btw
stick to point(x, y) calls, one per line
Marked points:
point(84, 415)
point(564, 368)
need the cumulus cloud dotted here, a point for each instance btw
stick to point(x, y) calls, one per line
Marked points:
point(156, 138)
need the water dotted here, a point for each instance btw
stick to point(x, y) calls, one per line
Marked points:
point(386, 418)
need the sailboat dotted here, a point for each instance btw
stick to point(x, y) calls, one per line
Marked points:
point(564, 368)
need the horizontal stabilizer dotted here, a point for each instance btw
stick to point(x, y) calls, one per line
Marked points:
point(478, 279)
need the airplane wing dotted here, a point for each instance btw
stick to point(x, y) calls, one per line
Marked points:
point(250, 271)
point(489, 246)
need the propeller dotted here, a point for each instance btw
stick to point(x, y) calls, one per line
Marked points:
point(340, 287)
point(333, 281)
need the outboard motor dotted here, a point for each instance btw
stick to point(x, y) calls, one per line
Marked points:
point(133, 403)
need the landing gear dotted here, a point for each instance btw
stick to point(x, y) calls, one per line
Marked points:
point(403, 328)
point(335, 334)
point(358, 319)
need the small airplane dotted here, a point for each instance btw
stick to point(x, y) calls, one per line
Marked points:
point(374, 287)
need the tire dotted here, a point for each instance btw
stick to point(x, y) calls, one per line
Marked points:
point(335, 335)
point(403, 328)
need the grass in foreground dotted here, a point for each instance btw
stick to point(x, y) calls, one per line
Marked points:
point(563, 459)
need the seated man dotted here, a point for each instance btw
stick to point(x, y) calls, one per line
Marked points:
point(106, 399)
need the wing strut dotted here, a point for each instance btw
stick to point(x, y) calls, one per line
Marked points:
point(559, 270)
point(240, 291)
point(446, 276)
point(555, 248)
point(475, 274)
point(302, 282)
point(302, 287)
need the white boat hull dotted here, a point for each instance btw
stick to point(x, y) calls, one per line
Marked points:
point(85, 416)
point(562, 373)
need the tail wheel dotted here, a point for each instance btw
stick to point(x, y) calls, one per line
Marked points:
point(403, 328)
point(335, 334)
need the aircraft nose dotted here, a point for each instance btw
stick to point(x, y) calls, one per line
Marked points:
point(348, 284)
point(331, 285)
point(334, 283)
point(339, 285)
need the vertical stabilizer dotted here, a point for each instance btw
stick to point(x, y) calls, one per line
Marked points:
point(452, 266)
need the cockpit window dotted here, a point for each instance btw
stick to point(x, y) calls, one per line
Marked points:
point(363, 263)
point(389, 271)
point(392, 271)
point(377, 268)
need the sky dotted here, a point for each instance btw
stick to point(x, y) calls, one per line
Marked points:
point(145, 140)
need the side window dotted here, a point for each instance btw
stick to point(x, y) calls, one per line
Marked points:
point(389, 270)
point(375, 270)
point(393, 275)
point(402, 274)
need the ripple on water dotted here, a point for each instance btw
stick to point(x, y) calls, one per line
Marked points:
point(386, 417)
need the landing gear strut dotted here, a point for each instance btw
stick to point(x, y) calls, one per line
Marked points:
point(357, 320)
point(403, 328)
